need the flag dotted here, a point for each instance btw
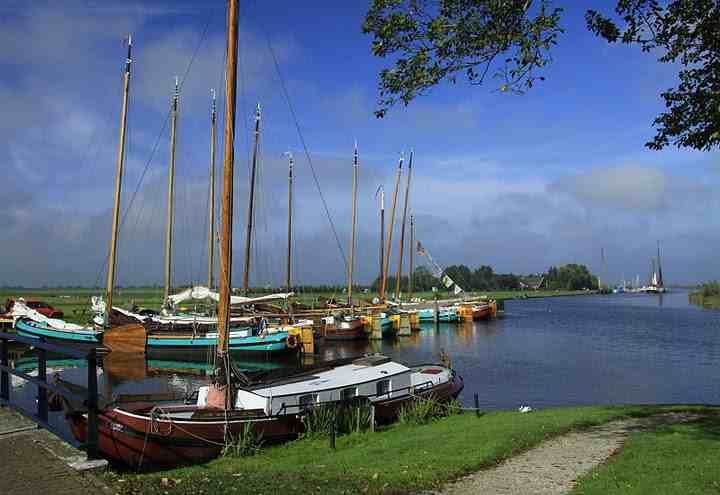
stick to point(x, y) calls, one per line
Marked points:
point(447, 281)
point(420, 249)
point(457, 290)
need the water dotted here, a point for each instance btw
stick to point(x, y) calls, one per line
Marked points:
point(562, 351)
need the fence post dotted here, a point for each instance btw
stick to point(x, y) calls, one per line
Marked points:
point(477, 405)
point(92, 405)
point(4, 375)
point(42, 405)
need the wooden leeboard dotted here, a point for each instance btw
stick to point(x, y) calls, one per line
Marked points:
point(126, 338)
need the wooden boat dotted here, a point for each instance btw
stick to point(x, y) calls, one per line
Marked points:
point(344, 328)
point(447, 314)
point(142, 434)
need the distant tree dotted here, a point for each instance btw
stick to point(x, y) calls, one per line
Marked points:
point(442, 40)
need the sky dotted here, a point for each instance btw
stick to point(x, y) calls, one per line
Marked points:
point(520, 183)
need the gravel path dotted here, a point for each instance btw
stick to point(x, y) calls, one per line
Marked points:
point(554, 466)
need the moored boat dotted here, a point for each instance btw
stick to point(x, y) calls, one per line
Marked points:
point(142, 434)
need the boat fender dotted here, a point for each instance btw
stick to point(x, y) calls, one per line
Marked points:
point(292, 341)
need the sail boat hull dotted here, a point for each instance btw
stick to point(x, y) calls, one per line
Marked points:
point(87, 337)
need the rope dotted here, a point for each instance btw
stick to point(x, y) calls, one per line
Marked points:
point(305, 148)
point(155, 146)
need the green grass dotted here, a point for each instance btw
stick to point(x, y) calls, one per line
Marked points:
point(678, 459)
point(708, 302)
point(401, 459)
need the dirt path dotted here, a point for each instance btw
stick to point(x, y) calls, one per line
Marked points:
point(554, 466)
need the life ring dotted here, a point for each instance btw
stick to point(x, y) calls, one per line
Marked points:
point(292, 341)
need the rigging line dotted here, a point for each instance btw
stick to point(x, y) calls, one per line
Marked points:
point(157, 139)
point(304, 145)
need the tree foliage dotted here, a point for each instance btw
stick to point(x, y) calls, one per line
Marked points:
point(570, 277)
point(435, 40)
point(429, 41)
point(684, 32)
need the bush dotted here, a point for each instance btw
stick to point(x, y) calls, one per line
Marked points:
point(424, 411)
point(247, 443)
point(349, 417)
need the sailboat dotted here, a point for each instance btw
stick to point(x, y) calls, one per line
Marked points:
point(170, 433)
point(32, 324)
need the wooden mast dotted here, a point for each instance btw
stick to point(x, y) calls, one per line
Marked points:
point(386, 261)
point(288, 278)
point(226, 214)
point(411, 274)
point(118, 184)
point(251, 201)
point(402, 229)
point(211, 198)
point(351, 265)
point(171, 187)
point(381, 190)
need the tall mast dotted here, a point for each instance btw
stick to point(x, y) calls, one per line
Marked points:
point(351, 265)
point(251, 201)
point(402, 229)
point(118, 184)
point(227, 191)
point(381, 190)
point(411, 274)
point(171, 186)
point(288, 279)
point(386, 261)
point(659, 267)
point(211, 199)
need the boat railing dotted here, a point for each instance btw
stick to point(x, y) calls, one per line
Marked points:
point(40, 416)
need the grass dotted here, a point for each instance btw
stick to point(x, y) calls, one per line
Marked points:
point(75, 303)
point(679, 458)
point(401, 459)
point(708, 302)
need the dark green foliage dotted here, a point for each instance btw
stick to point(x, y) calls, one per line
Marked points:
point(570, 277)
point(349, 417)
point(247, 443)
point(711, 289)
point(424, 411)
point(686, 33)
point(432, 41)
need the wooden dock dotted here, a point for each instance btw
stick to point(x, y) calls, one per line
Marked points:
point(5, 323)
point(33, 460)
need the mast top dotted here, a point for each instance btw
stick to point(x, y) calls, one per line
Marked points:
point(176, 93)
point(128, 60)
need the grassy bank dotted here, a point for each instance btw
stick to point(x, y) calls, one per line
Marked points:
point(709, 302)
point(75, 303)
point(401, 459)
point(678, 458)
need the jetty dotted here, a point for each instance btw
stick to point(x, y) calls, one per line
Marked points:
point(36, 461)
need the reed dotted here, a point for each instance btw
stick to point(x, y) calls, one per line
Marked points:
point(247, 443)
point(424, 411)
point(348, 417)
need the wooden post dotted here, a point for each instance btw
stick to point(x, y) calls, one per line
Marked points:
point(251, 203)
point(4, 374)
point(211, 198)
point(402, 229)
point(333, 429)
point(92, 405)
point(477, 405)
point(437, 309)
point(386, 261)
point(351, 265)
point(42, 405)
point(227, 192)
point(118, 187)
point(171, 191)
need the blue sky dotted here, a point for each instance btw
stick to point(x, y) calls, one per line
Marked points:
point(518, 182)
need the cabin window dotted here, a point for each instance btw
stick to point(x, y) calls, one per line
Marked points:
point(383, 387)
point(307, 401)
point(348, 393)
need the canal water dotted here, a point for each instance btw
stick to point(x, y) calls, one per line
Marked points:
point(561, 351)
